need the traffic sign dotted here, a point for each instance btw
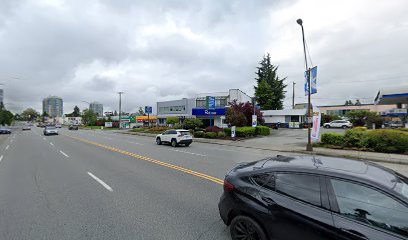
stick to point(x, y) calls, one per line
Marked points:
point(148, 110)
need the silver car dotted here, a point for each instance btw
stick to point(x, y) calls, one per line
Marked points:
point(26, 127)
point(50, 130)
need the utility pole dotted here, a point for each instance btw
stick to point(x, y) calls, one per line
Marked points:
point(293, 96)
point(309, 105)
point(120, 109)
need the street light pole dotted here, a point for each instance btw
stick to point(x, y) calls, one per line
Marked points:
point(309, 139)
point(120, 109)
point(293, 96)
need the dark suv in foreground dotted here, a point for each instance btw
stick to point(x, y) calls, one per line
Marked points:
point(314, 198)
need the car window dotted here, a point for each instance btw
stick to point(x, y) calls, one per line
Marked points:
point(300, 186)
point(371, 207)
point(265, 180)
point(184, 133)
point(172, 132)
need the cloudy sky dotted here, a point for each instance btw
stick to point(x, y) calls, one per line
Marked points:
point(157, 50)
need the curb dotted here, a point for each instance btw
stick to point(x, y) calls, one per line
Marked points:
point(328, 154)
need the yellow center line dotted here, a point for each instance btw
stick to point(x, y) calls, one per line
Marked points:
point(144, 158)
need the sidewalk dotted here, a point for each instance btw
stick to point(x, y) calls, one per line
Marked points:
point(265, 143)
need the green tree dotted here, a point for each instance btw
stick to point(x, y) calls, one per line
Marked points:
point(141, 112)
point(270, 89)
point(29, 114)
point(192, 123)
point(6, 117)
point(360, 117)
point(44, 115)
point(76, 112)
point(172, 120)
point(89, 117)
point(349, 103)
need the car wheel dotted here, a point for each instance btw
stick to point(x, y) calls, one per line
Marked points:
point(327, 126)
point(158, 141)
point(344, 127)
point(243, 227)
point(187, 144)
point(173, 143)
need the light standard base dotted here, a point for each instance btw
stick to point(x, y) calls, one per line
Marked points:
point(309, 147)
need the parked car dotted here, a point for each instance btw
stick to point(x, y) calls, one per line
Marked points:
point(175, 137)
point(4, 130)
point(50, 130)
point(73, 127)
point(41, 125)
point(338, 124)
point(315, 198)
point(58, 125)
point(26, 127)
point(396, 124)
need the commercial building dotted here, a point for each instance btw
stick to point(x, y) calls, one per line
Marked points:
point(197, 107)
point(397, 101)
point(96, 108)
point(176, 108)
point(289, 118)
point(53, 106)
point(342, 110)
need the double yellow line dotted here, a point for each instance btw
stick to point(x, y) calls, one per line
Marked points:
point(168, 165)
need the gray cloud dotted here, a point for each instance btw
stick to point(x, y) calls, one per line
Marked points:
point(160, 50)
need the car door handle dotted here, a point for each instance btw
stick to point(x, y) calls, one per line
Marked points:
point(354, 233)
point(268, 201)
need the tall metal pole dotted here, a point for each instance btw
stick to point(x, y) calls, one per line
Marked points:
point(309, 139)
point(120, 109)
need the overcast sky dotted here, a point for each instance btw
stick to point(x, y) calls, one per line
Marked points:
point(156, 50)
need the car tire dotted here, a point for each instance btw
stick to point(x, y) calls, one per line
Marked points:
point(344, 127)
point(158, 141)
point(173, 143)
point(187, 144)
point(247, 228)
point(327, 126)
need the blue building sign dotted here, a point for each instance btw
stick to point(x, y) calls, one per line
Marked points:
point(210, 102)
point(148, 110)
point(202, 112)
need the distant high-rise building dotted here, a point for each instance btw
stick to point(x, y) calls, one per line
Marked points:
point(53, 106)
point(96, 108)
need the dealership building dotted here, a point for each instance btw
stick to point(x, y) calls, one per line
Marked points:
point(196, 107)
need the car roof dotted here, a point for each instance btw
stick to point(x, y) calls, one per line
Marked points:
point(362, 171)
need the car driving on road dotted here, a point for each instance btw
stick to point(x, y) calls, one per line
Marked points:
point(338, 124)
point(26, 127)
point(73, 127)
point(4, 130)
point(315, 198)
point(175, 137)
point(50, 130)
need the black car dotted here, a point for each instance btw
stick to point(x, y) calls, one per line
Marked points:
point(5, 131)
point(73, 127)
point(314, 198)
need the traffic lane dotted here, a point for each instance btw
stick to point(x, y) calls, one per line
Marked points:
point(209, 159)
point(45, 195)
point(166, 203)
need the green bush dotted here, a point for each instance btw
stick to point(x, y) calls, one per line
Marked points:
point(221, 134)
point(386, 140)
point(245, 131)
point(354, 137)
point(210, 135)
point(199, 134)
point(227, 131)
point(403, 129)
point(332, 138)
point(262, 130)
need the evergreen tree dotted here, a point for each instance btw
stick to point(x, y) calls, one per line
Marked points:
point(76, 112)
point(270, 89)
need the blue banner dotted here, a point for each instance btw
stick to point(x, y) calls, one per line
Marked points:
point(210, 102)
point(202, 112)
point(313, 81)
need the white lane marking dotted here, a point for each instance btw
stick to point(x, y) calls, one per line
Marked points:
point(100, 181)
point(135, 143)
point(198, 154)
point(44, 138)
point(64, 154)
point(1, 158)
point(7, 147)
point(52, 144)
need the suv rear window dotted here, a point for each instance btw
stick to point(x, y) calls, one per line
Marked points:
point(184, 133)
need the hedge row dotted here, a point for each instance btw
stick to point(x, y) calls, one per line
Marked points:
point(248, 131)
point(381, 140)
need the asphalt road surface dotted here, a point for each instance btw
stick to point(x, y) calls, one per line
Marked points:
point(102, 185)
point(99, 185)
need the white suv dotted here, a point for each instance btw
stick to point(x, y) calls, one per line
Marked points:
point(338, 124)
point(175, 137)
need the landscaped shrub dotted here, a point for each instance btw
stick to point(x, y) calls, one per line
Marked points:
point(245, 131)
point(227, 131)
point(386, 140)
point(262, 130)
point(332, 138)
point(403, 129)
point(199, 134)
point(221, 135)
point(210, 135)
point(354, 137)
point(158, 129)
point(213, 129)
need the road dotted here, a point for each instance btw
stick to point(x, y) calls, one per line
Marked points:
point(102, 185)
point(98, 185)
